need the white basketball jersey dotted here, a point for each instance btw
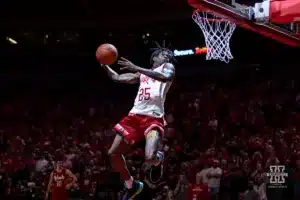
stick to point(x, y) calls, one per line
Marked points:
point(151, 96)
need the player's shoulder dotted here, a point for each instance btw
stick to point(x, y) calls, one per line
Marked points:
point(169, 68)
point(168, 65)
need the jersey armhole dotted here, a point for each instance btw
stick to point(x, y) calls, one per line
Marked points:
point(164, 65)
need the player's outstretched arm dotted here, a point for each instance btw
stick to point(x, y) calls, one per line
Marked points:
point(129, 78)
point(167, 74)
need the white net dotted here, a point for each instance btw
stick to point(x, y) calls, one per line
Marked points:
point(217, 33)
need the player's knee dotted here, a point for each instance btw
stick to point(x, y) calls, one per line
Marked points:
point(152, 135)
point(113, 156)
point(150, 153)
point(112, 151)
point(149, 156)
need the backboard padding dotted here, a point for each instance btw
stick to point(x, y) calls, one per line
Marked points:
point(241, 19)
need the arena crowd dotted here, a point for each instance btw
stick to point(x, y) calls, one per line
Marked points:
point(222, 137)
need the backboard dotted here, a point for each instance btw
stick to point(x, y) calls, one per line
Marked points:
point(234, 10)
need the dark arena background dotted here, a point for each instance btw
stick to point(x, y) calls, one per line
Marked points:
point(244, 115)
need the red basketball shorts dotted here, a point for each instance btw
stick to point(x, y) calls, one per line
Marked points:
point(135, 127)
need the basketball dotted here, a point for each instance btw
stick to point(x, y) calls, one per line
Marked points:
point(106, 54)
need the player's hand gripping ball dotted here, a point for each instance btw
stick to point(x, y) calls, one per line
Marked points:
point(106, 54)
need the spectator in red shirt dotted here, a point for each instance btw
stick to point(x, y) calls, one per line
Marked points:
point(198, 191)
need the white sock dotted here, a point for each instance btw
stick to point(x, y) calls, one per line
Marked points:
point(159, 158)
point(129, 182)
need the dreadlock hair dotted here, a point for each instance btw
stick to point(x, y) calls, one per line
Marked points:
point(160, 49)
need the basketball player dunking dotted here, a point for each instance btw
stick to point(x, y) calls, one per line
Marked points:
point(58, 182)
point(145, 120)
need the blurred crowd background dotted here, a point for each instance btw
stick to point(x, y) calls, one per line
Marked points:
point(237, 119)
point(241, 124)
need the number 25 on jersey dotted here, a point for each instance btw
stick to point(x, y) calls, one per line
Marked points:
point(144, 94)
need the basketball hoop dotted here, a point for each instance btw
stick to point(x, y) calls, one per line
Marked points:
point(217, 33)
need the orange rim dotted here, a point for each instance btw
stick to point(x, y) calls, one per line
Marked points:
point(218, 19)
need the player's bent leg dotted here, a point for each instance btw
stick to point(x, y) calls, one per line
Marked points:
point(153, 157)
point(153, 141)
point(118, 164)
point(116, 143)
point(115, 153)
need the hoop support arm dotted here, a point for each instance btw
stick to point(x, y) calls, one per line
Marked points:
point(278, 11)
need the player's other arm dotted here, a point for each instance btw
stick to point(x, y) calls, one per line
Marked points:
point(129, 78)
point(49, 186)
point(167, 74)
